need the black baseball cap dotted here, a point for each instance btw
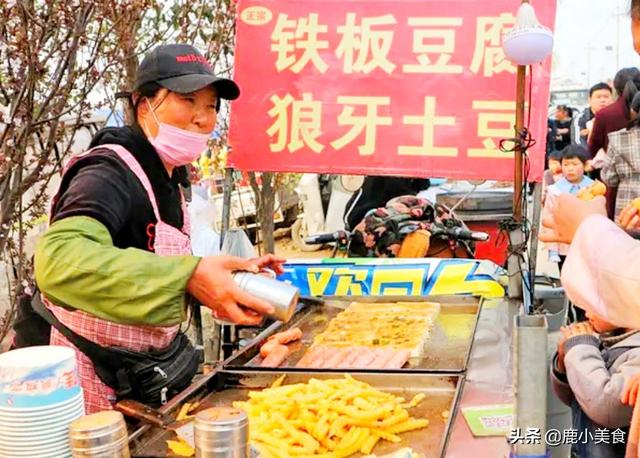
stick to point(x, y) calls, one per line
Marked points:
point(182, 69)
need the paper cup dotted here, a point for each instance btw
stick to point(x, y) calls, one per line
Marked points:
point(39, 376)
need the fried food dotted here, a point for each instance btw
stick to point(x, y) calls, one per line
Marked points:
point(597, 188)
point(180, 447)
point(355, 357)
point(276, 356)
point(288, 336)
point(401, 326)
point(326, 418)
point(279, 339)
point(585, 194)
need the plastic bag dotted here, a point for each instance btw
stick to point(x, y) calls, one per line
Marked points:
point(237, 243)
point(205, 241)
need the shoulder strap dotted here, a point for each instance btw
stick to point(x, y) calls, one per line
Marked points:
point(129, 160)
point(137, 170)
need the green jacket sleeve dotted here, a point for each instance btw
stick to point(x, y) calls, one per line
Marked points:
point(77, 266)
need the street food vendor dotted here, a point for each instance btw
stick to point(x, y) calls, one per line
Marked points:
point(115, 265)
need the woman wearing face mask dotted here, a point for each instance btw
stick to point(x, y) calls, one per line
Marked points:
point(115, 265)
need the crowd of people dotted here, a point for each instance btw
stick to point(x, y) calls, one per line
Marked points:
point(606, 134)
point(596, 369)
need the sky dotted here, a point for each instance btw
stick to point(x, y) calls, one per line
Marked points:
point(592, 41)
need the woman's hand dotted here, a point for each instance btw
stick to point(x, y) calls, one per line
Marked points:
point(567, 214)
point(212, 284)
point(629, 219)
point(270, 261)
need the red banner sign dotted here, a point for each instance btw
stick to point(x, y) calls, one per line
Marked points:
point(402, 87)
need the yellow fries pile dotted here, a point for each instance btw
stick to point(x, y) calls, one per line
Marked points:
point(186, 410)
point(181, 447)
point(326, 418)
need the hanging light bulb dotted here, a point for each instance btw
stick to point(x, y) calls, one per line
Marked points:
point(529, 41)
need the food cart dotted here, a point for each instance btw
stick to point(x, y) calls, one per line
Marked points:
point(430, 122)
point(468, 364)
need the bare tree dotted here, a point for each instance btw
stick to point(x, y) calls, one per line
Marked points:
point(53, 53)
point(59, 61)
point(265, 195)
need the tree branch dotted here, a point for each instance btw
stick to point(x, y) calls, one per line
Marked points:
point(69, 59)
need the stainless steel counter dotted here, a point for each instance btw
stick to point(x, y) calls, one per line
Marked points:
point(488, 381)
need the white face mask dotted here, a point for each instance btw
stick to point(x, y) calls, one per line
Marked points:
point(177, 147)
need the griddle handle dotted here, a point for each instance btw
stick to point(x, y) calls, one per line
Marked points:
point(140, 411)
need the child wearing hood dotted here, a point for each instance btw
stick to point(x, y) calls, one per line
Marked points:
point(594, 362)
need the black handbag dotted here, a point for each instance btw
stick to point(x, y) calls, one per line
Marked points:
point(151, 377)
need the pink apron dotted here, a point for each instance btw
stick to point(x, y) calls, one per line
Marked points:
point(168, 241)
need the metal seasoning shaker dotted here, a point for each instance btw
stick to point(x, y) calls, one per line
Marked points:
point(222, 432)
point(283, 296)
point(99, 435)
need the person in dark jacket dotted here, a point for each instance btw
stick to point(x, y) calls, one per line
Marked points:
point(563, 119)
point(376, 191)
point(558, 130)
point(600, 96)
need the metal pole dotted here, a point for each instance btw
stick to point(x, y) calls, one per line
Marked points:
point(535, 228)
point(530, 339)
point(226, 203)
point(225, 331)
point(516, 237)
point(530, 372)
point(519, 157)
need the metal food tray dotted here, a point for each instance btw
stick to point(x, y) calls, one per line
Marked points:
point(498, 200)
point(442, 394)
point(446, 351)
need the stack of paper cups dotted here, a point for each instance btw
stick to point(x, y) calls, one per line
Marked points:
point(40, 396)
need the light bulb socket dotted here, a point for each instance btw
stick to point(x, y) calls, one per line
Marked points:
point(528, 42)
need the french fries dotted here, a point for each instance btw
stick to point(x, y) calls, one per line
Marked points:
point(186, 410)
point(333, 418)
point(180, 447)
